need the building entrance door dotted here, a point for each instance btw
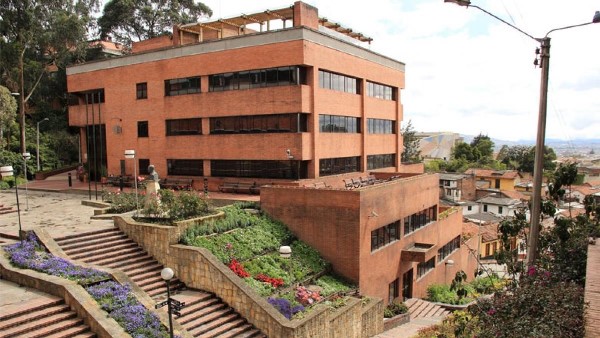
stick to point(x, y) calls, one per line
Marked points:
point(407, 284)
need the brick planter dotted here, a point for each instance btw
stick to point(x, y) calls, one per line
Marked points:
point(390, 323)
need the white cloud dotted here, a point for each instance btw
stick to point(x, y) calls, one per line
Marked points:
point(467, 72)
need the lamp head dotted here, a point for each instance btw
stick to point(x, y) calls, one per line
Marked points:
point(167, 274)
point(46, 119)
point(464, 3)
point(26, 156)
point(596, 18)
point(6, 171)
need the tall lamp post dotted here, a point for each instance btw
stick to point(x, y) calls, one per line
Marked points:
point(131, 154)
point(37, 153)
point(7, 171)
point(26, 156)
point(544, 64)
point(167, 274)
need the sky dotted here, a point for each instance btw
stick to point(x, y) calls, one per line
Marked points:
point(469, 73)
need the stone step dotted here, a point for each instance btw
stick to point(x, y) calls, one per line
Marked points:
point(100, 251)
point(43, 326)
point(32, 314)
point(137, 271)
point(135, 266)
point(85, 251)
point(227, 326)
point(107, 258)
point(87, 234)
point(79, 331)
point(197, 318)
point(96, 240)
point(220, 320)
point(21, 309)
point(242, 331)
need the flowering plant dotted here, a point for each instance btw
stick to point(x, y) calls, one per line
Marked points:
point(283, 305)
point(307, 297)
point(238, 269)
point(275, 282)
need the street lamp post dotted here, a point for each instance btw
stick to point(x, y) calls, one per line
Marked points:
point(7, 171)
point(26, 156)
point(544, 64)
point(167, 274)
point(131, 154)
point(37, 153)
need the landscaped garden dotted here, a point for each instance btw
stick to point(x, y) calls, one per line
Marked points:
point(461, 293)
point(248, 242)
point(116, 299)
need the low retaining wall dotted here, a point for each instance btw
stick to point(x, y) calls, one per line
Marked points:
point(390, 323)
point(200, 269)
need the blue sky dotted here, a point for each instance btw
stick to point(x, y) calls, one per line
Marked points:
point(469, 73)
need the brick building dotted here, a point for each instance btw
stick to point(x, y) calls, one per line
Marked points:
point(218, 102)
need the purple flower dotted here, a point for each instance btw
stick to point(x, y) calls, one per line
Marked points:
point(283, 305)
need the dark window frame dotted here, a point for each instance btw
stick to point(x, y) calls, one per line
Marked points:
point(142, 129)
point(141, 90)
point(180, 127)
point(381, 161)
point(339, 165)
point(257, 78)
point(185, 167)
point(182, 86)
point(338, 82)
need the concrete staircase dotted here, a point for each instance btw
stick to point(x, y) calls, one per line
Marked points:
point(204, 314)
point(419, 308)
point(48, 317)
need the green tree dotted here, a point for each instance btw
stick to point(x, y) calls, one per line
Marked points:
point(37, 34)
point(482, 148)
point(411, 152)
point(8, 111)
point(131, 20)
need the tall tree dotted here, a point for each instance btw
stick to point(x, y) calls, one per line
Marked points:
point(522, 158)
point(37, 34)
point(8, 111)
point(483, 148)
point(135, 20)
point(411, 152)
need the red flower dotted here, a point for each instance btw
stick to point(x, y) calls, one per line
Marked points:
point(275, 282)
point(238, 269)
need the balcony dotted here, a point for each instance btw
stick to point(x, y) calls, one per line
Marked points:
point(417, 252)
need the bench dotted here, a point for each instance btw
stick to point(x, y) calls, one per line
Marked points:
point(369, 180)
point(239, 187)
point(321, 185)
point(176, 183)
point(116, 180)
point(348, 184)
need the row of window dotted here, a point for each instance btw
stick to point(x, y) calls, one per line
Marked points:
point(182, 86)
point(419, 219)
point(448, 248)
point(339, 124)
point(381, 161)
point(379, 126)
point(271, 77)
point(276, 123)
point(425, 267)
point(236, 168)
point(380, 91)
point(339, 165)
point(342, 83)
point(385, 235)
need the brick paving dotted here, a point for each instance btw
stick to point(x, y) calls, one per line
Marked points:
point(592, 291)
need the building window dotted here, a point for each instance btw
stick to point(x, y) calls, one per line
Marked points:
point(485, 208)
point(182, 86)
point(276, 123)
point(469, 208)
point(497, 183)
point(500, 210)
point(141, 91)
point(185, 167)
point(96, 96)
point(393, 289)
point(488, 250)
point(338, 82)
point(419, 219)
point(425, 267)
point(339, 124)
point(339, 165)
point(380, 91)
point(142, 128)
point(448, 249)
point(381, 161)
point(385, 235)
point(272, 77)
point(143, 164)
point(379, 126)
point(259, 169)
point(184, 127)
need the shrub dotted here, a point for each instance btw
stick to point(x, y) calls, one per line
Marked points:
point(394, 308)
point(121, 202)
point(443, 294)
point(331, 285)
